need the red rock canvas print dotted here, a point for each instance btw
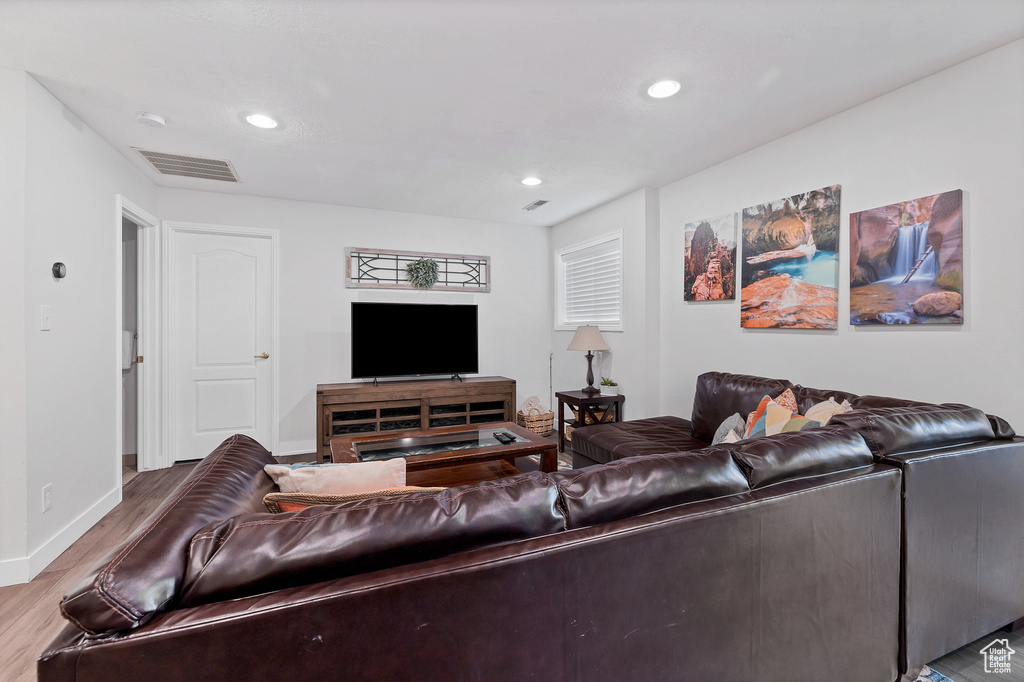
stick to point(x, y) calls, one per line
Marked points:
point(906, 262)
point(709, 270)
point(790, 265)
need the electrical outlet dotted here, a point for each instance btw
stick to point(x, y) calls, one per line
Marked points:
point(47, 497)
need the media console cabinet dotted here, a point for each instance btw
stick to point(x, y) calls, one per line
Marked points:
point(360, 407)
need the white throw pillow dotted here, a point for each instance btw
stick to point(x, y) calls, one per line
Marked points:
point(823, 411)
point(338, 479)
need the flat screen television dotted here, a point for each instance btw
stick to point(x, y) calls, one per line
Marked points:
point(413, 339)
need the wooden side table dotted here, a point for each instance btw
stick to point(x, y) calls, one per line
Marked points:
point(586, 407)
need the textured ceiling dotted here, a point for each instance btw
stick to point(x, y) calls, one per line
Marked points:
point(441, 106)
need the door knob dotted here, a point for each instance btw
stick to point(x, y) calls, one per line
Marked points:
point(262, 356)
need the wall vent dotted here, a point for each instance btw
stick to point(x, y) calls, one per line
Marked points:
point(535, 205)
point(189, 166)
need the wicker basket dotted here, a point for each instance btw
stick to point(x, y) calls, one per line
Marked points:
point(538, 423)
point(599, 414)
point(569, 428)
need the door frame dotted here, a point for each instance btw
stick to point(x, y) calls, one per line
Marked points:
point(171, 228)
point(149, 415)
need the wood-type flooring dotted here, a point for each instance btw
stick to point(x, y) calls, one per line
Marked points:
point(966, 663)
point(29, 613)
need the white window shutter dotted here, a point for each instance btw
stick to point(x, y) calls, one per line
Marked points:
point(592, 284)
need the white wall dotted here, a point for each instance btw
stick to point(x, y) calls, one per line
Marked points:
point(630, 361)
point(314, 303)
point(961, 128)
point(13, 448)
point(72, 405)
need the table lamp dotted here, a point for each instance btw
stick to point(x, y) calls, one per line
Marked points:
point(588, 338)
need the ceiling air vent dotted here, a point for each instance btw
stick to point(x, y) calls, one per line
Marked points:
point(535, 205)
point(190, 166)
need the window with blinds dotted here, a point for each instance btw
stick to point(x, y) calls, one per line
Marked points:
point(589, 280)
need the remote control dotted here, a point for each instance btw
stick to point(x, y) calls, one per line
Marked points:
point(504, 437)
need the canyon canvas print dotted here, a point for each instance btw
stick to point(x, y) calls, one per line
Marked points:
point(709, 269)
point(906, 262)
point(790, 264)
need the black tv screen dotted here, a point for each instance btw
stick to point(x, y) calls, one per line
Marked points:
point(413, 339)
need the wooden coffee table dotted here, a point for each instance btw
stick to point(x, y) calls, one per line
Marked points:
point(449, 456)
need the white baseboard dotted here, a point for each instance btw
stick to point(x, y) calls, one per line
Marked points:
point(41, 558)
point(14, 571)
point(295, 447)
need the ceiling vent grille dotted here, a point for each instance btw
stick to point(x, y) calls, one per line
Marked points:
point(535, 205)
point(189, 166)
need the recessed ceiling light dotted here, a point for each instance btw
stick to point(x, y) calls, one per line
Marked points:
point(261, 121)
point(532, 181)
point(663, 89)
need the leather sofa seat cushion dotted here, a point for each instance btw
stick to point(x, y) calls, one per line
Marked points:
point(256, 553)
point(142, 575)
point(721, 395)
point(618, 440)
point(800, 453)
point(896, 430)
point(637, 485)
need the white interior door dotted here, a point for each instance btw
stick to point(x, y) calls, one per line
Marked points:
point(221, 331)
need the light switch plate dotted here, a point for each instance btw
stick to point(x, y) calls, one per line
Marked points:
point(44, 318)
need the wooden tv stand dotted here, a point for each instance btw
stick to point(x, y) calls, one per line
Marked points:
point(396, 406)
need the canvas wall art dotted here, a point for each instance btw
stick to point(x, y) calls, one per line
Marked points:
point(906, 262)
point(790, 262)
point(710, 260)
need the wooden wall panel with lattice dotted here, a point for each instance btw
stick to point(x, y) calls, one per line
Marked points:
point(385, 269)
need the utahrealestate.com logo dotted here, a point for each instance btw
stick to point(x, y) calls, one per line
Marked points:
point(997, 656)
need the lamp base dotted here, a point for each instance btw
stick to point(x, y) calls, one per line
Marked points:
point(590, 375)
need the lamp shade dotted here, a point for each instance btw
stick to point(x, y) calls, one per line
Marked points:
point(588, 337)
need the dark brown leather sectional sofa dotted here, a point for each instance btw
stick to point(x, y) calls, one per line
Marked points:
point(962, 573)
point(772, 559)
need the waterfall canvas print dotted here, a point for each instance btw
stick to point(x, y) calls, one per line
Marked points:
point(790, 269)
point(906, 262)
point(709, 268)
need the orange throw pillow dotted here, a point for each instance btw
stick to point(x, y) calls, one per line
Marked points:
point(782, 408)
point(788, 400)
point(755, 415)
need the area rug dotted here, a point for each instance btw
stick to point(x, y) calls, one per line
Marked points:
point(929, 675)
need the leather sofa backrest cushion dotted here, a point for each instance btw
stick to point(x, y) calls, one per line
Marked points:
point(896, 430)
point(806, 398)
point(721, 395)
point(1000, 427)
point(637, 485)
point(141, 576)
point(870, 402)
point(256, 553)
point(800, 453)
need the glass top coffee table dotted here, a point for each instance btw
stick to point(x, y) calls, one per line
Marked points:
point(453, 455)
